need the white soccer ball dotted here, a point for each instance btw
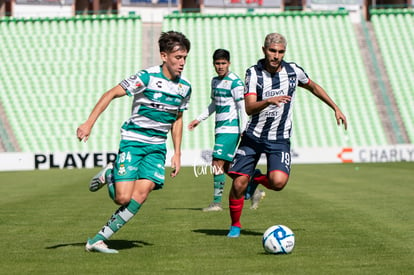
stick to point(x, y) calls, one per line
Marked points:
point(278, 239)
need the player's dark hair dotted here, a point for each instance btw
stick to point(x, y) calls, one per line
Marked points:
point(221, 54)
point(169, 41)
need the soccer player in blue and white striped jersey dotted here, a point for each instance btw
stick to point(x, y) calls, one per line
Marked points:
point(160, 96)
point(269, 97)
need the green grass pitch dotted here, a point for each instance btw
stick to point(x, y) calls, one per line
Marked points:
point(347, 218)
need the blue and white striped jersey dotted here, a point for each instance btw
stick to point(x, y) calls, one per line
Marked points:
point(156, 104)
point(273, 123)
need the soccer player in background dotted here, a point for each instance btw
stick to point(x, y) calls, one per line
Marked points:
point(227, 102)
point(161, 95)
point(269, 97)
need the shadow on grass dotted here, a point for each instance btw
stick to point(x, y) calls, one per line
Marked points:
point(115, 244)
point(183, 208)
point(223, 232)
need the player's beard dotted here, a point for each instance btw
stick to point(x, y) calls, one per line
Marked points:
point(273, 66)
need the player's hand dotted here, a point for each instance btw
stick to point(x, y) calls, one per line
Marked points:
point(278, 100)
point(175, 165)
point(341, 119)
point(193, 124)
point(174, 171)
point(83, 132)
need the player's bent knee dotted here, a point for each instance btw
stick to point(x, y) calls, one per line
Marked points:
point(122, 200)
point(239, 187)
point(278, 186)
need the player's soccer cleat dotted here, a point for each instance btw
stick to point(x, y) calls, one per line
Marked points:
point(214, 206)
point(251, 187)
point(256, 198)
point(99, 179)
point(99, 246)
point(234, 232)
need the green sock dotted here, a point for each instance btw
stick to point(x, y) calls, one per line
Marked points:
point(118, 219)
point(109, 177)
point(219, 181)
point(108, 174)
point(111, 189)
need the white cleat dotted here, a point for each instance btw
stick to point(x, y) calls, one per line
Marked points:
point(99, 246)
point(214, 206)
point(99, 179)
point(256, 198)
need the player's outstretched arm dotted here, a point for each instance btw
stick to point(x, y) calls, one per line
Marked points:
point(319, 92)
point(84, 130)
point(203, 116)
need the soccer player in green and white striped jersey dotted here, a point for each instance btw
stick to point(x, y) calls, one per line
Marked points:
point(227, 101)
point(161, 95)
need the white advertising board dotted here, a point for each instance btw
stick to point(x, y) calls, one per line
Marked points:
point(201, 159)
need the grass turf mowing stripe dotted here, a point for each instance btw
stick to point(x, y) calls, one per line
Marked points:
point(347, 218)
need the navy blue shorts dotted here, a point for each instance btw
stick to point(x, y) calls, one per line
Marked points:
point(251, 148)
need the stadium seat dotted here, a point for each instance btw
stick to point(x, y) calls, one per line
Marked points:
point(315, 44)
point(391, 26)
point(69, 63)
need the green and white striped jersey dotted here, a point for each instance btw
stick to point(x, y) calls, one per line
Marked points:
point(227, 95)
point(156, 104)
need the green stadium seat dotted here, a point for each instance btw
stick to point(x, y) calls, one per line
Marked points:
point(391, 26)
point(314, 43)
point(68, 64)
point(63, 58)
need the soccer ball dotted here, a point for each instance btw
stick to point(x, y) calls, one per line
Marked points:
point(278, 239)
